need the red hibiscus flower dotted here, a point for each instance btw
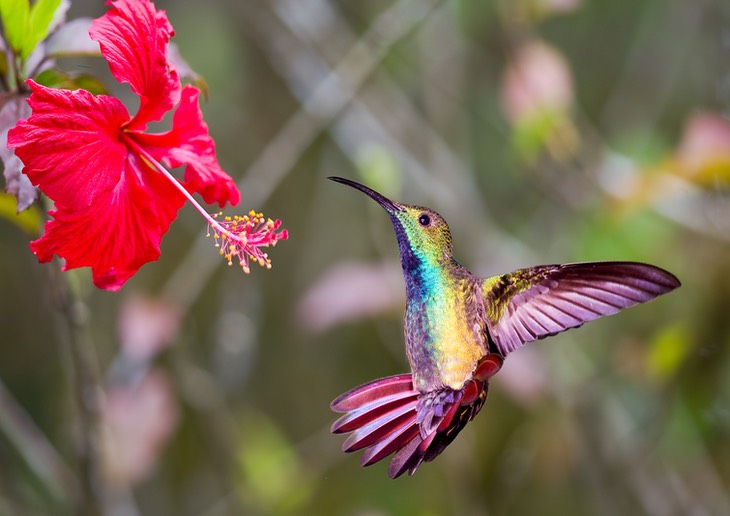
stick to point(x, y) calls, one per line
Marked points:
point(113, 197)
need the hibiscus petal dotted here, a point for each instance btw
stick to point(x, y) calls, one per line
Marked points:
point(133, 38)
point(70, 145)
point(119, 232)
point(188, 143)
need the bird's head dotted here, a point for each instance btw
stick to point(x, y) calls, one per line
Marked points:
point(422, 233)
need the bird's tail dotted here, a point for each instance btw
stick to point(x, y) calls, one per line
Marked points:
point(389, 415)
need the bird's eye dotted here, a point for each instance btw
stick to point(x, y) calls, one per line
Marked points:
point(424, 219)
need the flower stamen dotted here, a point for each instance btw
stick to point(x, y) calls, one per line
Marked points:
point(242, 237)
point(245, 236)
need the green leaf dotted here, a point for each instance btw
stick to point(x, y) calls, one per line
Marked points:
point(15, 16)
point(29, 220)
point(90, 83)
point(25, 25)
point(55, 78)
point(41, 15)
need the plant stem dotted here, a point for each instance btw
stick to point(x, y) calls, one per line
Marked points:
point(87, 391)
point(35, 448)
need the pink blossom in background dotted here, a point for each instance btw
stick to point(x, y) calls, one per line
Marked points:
point(537, 79)
point(137, 422)
point(706, 138)
point(349, 292)
point(146, 327)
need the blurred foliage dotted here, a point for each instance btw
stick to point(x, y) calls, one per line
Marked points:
point(600, 157)
point(29, 221)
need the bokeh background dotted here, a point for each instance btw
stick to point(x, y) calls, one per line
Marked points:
point(543, 130)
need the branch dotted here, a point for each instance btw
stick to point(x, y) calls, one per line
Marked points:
point(86, 387)
point(40, 455)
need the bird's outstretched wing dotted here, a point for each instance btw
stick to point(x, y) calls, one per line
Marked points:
point(536, 302)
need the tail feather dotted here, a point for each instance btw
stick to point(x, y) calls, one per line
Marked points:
point(380, 428)
point(389, 416)
point(407, 459)
point(375, 409)
point(444, 431)
point(398, 438)
point(371, 391)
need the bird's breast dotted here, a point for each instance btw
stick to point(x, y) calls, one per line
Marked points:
point(445, 334)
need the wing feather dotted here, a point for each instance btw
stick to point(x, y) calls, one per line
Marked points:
point(533, 303)
point(548, 321)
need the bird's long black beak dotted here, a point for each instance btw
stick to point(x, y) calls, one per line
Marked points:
point(386, 203)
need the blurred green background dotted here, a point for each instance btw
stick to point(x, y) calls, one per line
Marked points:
point(543, 131)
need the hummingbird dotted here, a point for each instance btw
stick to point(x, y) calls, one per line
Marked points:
point(459, 328)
